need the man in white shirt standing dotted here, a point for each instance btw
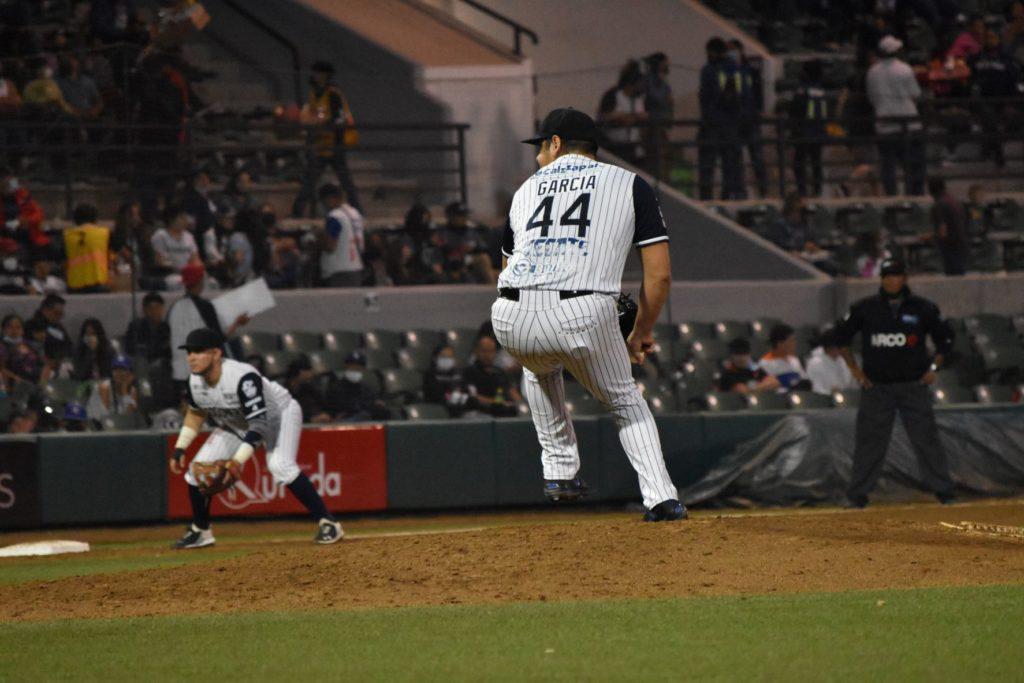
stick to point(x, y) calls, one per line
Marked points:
point(894, 91)
point(173, 246)
point(340, 240)
point(826, 368)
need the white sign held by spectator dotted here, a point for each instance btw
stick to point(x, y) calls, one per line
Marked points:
point(251, 298)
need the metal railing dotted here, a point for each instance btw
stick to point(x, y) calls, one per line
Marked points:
point(518, 29)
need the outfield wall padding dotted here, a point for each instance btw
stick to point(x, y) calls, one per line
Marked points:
point(19, 482)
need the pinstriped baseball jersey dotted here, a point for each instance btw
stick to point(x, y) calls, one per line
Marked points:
point(242, 400)
point(571, 225)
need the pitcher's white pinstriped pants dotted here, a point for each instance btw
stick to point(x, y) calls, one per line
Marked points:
point(281, 453)
point(545, 334)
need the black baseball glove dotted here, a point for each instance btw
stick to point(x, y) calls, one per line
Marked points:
point(627, 313)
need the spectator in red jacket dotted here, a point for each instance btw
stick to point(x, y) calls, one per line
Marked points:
point(22, 215)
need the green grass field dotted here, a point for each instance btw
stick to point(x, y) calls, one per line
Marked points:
point(932, 634)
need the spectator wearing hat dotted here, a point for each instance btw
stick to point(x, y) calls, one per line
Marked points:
point(781, 360)
point(949, 220)
point(150, 335)
point(124, 394)
point(328, 110)
point(74, 418)
point(741, 374)
point(893, 91)
point(192, 311)
point(299, 382)
point(341, 240)
point(826, 368)
point(898, 367)
point(350, 399)
point(174, 247)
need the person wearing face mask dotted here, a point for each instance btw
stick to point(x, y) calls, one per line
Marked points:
point(897, 373)
point(19, 360)
point(350, 399)
point(443, 378)
point(328, 111)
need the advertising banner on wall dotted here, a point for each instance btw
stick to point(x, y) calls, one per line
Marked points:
point(19, 484)
point(347, 465)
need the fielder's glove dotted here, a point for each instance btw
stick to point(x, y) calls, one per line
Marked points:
point(627, 313)
point(217, 476)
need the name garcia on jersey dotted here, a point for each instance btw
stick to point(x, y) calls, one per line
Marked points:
point(566, 185)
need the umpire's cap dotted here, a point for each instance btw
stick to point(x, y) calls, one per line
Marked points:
point(568, 124)
point(893, 266)
point(201, 339)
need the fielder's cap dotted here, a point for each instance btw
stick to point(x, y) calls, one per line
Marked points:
point(893, 266)
point(568, 124)
point(192, 274)
point(357, 357)
point(73, 410)
point(201, 339)
point(890, 45)
point(121, 361)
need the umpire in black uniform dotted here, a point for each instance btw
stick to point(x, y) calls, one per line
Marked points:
point(898, 368)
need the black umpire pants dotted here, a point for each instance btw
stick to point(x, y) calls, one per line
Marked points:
point(875, 418)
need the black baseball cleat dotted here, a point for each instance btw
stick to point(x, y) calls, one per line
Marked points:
point(670, 510)
point(946, 498)
point(194, 538)
point(563, 490)
point(855, 502)
point(329, 532)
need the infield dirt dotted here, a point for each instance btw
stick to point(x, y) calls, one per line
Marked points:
point(536, 557)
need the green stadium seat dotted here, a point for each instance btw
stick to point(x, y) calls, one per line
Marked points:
point(725, 401)
point(762, 327)
point(275, 364)
point(414, 358)
point(585, 404)
point(301, 341)
point(122, 423)
point(756, 217)
point(575, 391)
point(661, 403)
point(384, 340)
point(1004, 360)
point(847, 398)
point(60, 391)
point(987, 257)
point(996, 393)
point(462, 340)
point(990, 338)
point(327, 361)
point(696, 378)
point(727, 330)
point(709, 349)
point(428, 339)
point(908, 218)
point(664, 334)
point(767, 400)
point(808, 400)
point(947, 378)
point(378, 359)
point(426, 411)
point(860, 218)
point(258, 343)
point(680, 351)
point(692, 331)
point(402, 382)
point(952, 395)
point(342, 341)
point(991, 323)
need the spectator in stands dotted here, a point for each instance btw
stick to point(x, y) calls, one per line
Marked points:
point(240, 254)
point(150, 335)
point(790, 231)
point(893, 91)
point(198, 203)
point(1012, 37)
point(285, 256)
point(174, 247)
point(466, 244)
point(621, 109)
point(10, 111)
point(781, 360)
point(809, 115)
point(124, 394)
point(741, 374)
point(658, 102)
point(328, 110)
point(340, 240)
point(42, 97)
point(826, 368)
point(970, 42)
point(132, 242)
point(350, 399)
point(74, 418)
point(403, 269)
point(443, 377)
point(720, 105)
point(977, 211)
point(418, 227)
point(995, 77)
point(238, 192)
point(87, 247)
point(22, 215)
point(751, 108)
point(58, 345)
point(215, 243)
point(93, 353)
point(870, 252)
point(42, 281)
point(949, 220)
point(192, 311)
point(19, 361)
point(299, 382)
point(490, 389)
point(24, 420)
point(79, 90)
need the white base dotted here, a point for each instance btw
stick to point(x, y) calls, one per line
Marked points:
point(44, 548)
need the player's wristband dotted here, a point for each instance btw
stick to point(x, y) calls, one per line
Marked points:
point(179, 453)
point(243, 453)
point(185, 437)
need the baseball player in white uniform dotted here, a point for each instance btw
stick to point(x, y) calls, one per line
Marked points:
point(568, 234)
point(247, 409)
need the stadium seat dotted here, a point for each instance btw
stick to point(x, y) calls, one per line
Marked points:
point(758, 346)
point(585, 404)
point(767, 400)
point(996, 393)
point(847, 398)
point(301, 341)
point(1004, 215)
point(695, 379)
point(860, 218)
point(661, 402)
point(120, 423)
point(808, 400)
point(384, 340)
point(415, 358)
point(692, 331)
point(463, 341)
point(574, 390)
point(709, 349)
point(991, 323)
point(952, 395)
point(259, 343)
point(275, 364)
point(60, 391)
point(342, 341)
point(327, 361)
point(908, 218)
point(824, 230)
point(756, 217)
point(986, 257)
point(426, 411)
point(378, 359)
point(727, 330)
point(680, 351)
point(428, 339)
point(402, 382)
point(947, 378)
point(725, 401)
point(762, 327)
point(990, 338)
point(1004, 360)
point(664, 334)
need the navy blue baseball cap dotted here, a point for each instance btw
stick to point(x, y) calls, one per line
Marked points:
point(201, 339)
point(568, 124)
point(893, 266)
